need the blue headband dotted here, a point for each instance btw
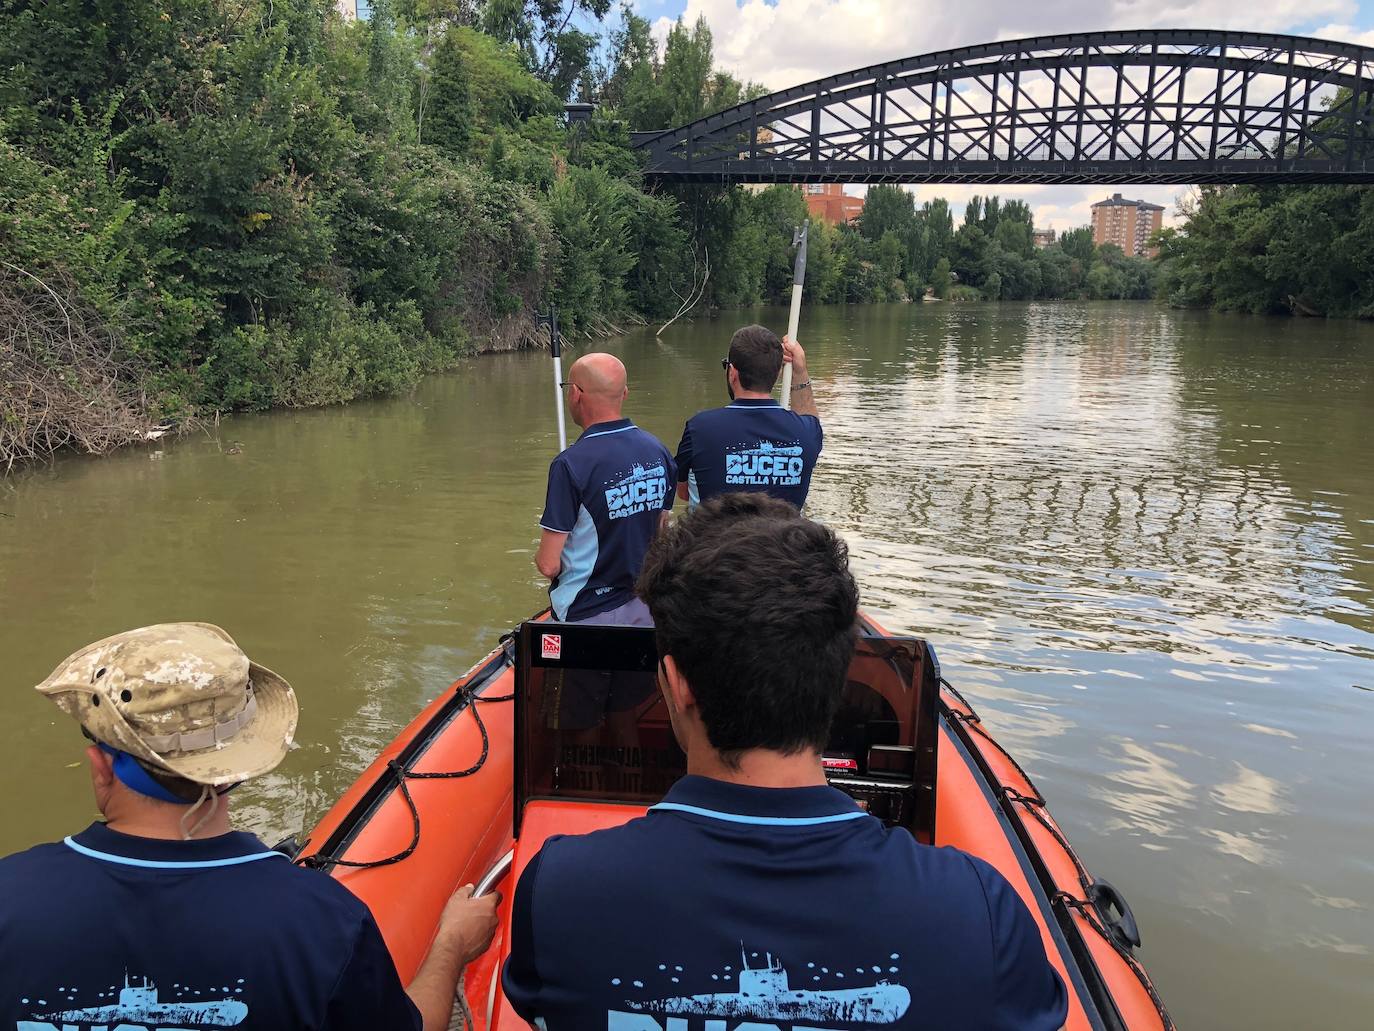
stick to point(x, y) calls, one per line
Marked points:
point(136, 778)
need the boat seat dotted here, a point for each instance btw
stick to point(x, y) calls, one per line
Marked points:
point(542, 820)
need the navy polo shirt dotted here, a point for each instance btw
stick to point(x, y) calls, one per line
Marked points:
point(750, 444)
point(606, 491)
point(104, 930)
point(731, 906)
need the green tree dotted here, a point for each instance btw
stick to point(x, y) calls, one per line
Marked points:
point(940, 279)
point(888, 257)
point(547, 35)
point(451, 110)
point(632, 88)
point(688, 78)
point(1273, 249)
point(968, 254)
point(1078, 244)
point(887, 209)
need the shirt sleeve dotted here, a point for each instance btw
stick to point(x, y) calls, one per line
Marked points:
point(671, 467)
point(369, 993)
point(814, 425)
point(520, 978)
point(683, 461)
point(562, 499)
point(1030, 994)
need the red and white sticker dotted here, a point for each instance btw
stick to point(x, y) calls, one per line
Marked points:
point(551, 645)
point(831, 762)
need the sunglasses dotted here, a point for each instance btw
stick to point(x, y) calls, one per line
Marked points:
point(725, 364)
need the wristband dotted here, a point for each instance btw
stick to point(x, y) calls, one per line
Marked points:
point(800, 386)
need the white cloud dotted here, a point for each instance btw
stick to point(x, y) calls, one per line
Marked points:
point(1346, 33)
point(785, 42)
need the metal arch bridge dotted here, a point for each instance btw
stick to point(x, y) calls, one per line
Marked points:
point(1159, 106)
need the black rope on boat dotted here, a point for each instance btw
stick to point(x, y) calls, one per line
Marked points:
point(957, 694)
point(403, 775)
point(1036, 806)
point(1089, 913)
point(974, 722)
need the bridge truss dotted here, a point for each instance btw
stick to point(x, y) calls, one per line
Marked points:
point(1165, 106)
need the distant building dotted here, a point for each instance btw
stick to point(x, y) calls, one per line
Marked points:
point(1126, 223)
point(1042, 238)
point(829, 203)
point(348, 8)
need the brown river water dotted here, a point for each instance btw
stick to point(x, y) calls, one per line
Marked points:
point(1142, 541)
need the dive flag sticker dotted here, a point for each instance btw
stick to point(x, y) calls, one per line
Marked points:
point(551, 645)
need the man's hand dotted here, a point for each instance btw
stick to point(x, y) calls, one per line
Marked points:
point(549, 558)
point(466, 928)
point(793, 354)
point(467, 925)
point(803, 401)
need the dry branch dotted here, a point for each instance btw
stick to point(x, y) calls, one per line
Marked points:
point(63, 379)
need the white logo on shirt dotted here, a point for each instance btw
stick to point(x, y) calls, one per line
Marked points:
point(638, 492)
point(765, 465)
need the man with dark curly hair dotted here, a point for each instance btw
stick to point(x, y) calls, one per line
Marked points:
point(754, 894)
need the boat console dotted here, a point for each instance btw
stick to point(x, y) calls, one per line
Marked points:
point(882, 749)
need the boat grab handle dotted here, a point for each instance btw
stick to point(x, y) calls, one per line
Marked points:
point(494, 876)
point(1124, 930)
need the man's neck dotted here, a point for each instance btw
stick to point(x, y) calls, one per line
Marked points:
point(596, 418)
point(760, 768)
point(164, 821)
point(753, 395)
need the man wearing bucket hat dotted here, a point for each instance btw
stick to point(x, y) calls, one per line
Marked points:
point(161, 915)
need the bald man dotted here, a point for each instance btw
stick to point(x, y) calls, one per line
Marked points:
point(607, 495)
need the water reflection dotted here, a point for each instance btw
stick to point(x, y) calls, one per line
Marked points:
point(1250, 791)
point(1145, 792)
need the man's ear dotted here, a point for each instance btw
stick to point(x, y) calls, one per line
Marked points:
point(102, 766)
point(676, 689)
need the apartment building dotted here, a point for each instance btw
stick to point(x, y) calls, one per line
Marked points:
point(1126, 223)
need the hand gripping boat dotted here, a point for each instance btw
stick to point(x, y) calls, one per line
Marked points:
point(469, 791)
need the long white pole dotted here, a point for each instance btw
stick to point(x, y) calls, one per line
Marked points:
point(798, 278)
point(556, 346)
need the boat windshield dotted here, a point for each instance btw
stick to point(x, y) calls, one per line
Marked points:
point(591, 724)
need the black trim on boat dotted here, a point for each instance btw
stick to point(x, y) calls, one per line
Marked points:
point(393, 774)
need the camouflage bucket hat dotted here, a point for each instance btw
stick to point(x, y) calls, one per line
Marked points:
point(182, 697)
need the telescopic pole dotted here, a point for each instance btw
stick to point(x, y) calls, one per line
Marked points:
point(798, 278)
point(556, 346)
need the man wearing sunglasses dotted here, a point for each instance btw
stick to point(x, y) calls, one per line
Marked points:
point(608, 495)
point(753, 443)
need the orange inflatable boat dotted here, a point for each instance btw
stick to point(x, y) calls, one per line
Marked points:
point(472, 787)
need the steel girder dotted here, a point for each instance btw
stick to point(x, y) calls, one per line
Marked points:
point(1159, 106)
